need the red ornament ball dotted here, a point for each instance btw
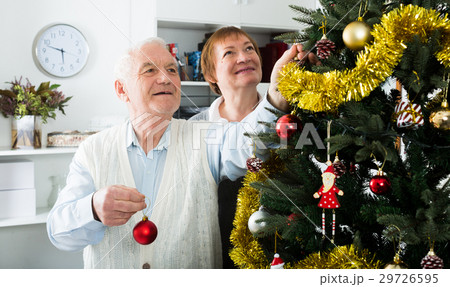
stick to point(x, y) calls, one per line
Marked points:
point(145, 231)
point(380, 184)
point(287, 125)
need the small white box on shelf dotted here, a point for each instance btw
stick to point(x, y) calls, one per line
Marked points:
point(16, 174)
point(17, 203)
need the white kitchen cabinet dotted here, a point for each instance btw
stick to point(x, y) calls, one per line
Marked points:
point(251, 13)
point(271, 14)
point(199, 11)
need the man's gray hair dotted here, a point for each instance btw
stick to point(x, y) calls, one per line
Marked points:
point(122, 69)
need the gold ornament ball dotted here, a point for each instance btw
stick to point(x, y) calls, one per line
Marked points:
point(356, 35)
point(440, 118)
point(397, 263)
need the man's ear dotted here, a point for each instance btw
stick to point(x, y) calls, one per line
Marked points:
point(120, 91)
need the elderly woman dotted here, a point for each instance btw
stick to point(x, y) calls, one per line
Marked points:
point(231, 63)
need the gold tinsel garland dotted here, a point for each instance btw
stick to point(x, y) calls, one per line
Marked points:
point(247, 252)
point(341, 257)
point(325, 92)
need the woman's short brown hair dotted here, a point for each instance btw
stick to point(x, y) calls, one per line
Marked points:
point(207, 58)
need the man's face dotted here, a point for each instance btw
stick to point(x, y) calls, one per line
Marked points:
point(154, 84)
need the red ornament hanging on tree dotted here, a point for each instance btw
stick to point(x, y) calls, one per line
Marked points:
point(287, 125)
point(145, 231)
point(380, 184)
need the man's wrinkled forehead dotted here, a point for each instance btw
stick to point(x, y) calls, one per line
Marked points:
point(153, 53)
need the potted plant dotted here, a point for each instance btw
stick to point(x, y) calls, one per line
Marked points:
point(29, 107)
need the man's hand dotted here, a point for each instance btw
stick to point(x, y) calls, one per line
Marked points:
point(294, 53)
point(115, 204)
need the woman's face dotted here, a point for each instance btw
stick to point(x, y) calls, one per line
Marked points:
point(237, 64)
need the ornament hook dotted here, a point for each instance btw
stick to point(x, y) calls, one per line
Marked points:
point(384, 161)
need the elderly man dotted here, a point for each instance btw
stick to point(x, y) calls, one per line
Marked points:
point(172, 163)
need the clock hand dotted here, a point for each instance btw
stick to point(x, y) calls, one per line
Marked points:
point(61, 50)
point(70, 53)
point(54, 48)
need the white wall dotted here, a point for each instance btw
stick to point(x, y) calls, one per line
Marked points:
point(109, 26)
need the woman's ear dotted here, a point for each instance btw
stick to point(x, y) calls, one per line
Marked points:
point(210, 79)
point(120, 91)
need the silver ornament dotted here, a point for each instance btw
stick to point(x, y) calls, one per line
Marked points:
point(258, 228)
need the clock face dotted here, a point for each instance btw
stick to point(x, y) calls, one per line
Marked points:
point(60, 50)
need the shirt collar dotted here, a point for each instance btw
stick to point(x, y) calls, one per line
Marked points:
point(214, 114)
point(132, 140)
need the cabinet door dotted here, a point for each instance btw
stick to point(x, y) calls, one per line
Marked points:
point(271, 14)
point(199, 11)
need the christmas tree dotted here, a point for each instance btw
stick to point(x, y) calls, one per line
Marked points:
point(385, 162)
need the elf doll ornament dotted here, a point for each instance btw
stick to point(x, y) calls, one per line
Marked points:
point(328, 193)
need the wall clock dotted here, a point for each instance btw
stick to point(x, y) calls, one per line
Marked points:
point(60, 50)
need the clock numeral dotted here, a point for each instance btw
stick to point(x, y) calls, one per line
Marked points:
point(53, 35)
point(44, 50)
point(53, 66)
point(71, 67)
point(62, 33)
point(79, 51)
point(62, 69)
point(46, 59)
point(47, 42)
point(77, 43)
point(78, 60)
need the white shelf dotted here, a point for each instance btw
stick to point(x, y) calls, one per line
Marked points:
point(188, 25)
point(42, 151)
point(41, 217)
point(194, 84)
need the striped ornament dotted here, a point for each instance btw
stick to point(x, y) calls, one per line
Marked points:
point(408, 115)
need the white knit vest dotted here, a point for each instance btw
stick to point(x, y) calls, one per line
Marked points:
point(185, 211)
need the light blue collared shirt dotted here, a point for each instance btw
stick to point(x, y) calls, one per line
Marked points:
point(147, 175)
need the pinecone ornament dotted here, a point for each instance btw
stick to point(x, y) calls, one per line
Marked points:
point(254, 164)
point(339, 167)
point(325, 47)
point(432, 261)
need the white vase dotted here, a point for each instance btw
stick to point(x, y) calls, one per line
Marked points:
point(26, 132)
